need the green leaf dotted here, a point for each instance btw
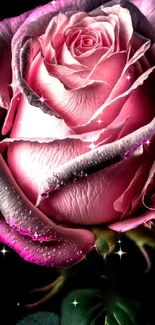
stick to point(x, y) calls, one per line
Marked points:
point(40, 318)
point(105, 241)
point(123, 311)
point(89, 307)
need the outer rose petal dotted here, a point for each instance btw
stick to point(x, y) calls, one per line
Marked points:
point(64, 246)
point(34, 158)
point(147, 7)
point(8, 28)
point(134, 222)
point(57, 254)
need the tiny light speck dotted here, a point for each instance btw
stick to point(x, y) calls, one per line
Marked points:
point(75, 302)
point(18, 304)
point(119, 241)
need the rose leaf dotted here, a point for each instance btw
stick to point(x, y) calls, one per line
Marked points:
point(82, 307)
point(40, 318)
point(123, 311)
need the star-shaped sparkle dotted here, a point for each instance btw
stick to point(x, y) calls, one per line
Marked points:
point(119, 241)
point(92, 146)
point(75, 302)
point(128, 77)
point(120, 253)
point(99, 121)
point(42, 99)
point(4, 251)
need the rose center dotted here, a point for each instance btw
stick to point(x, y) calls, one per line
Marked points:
point(81, 41)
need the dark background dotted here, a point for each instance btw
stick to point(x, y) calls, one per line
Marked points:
point(126, 277)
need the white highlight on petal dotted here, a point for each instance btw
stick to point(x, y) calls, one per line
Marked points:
point(92, 146)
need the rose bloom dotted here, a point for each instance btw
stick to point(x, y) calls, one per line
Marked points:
point(77, 125)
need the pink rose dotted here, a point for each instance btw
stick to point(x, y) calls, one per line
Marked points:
point(78, 136)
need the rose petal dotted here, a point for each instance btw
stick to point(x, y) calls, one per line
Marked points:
point(74, 106)
point(72, 203)
point(94, 161)
point(124, 203)
point(8, 28)
point(132, 223)
point(69, 250)
point(147, 7)
point(140, 22)
point(126, 29)
point(113, 105)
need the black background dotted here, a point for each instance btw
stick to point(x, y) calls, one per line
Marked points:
point(126, 277)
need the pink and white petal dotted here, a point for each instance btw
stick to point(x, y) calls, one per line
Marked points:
point(126, 28)
point(98, 159)
point(55, 31)
point(75, 106)
point(127, 83)
point(10, 114)
point(69, 250)
point(66, 59)
point(110, 69)
point(71, 203)
point(124, 203)
point(143, 99)
point(133, 222)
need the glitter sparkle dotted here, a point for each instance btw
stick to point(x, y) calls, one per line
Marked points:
point(42, 99)
point(4, 251)
point(36, 235)
point(75, 302)
point(99, 121)
point(128, 77)
point(92, 146)
point(120, 253)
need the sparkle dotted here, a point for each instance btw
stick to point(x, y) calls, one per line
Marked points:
point(36, 235)
point(128, 77)
point(92, 146)
point(4, 251)
point(42, 99)
point(75, 302)
point(99, 121)
point(119, 241)
point(53, 2)
point(120, 253)
point(18, 304)
point(13, 85)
